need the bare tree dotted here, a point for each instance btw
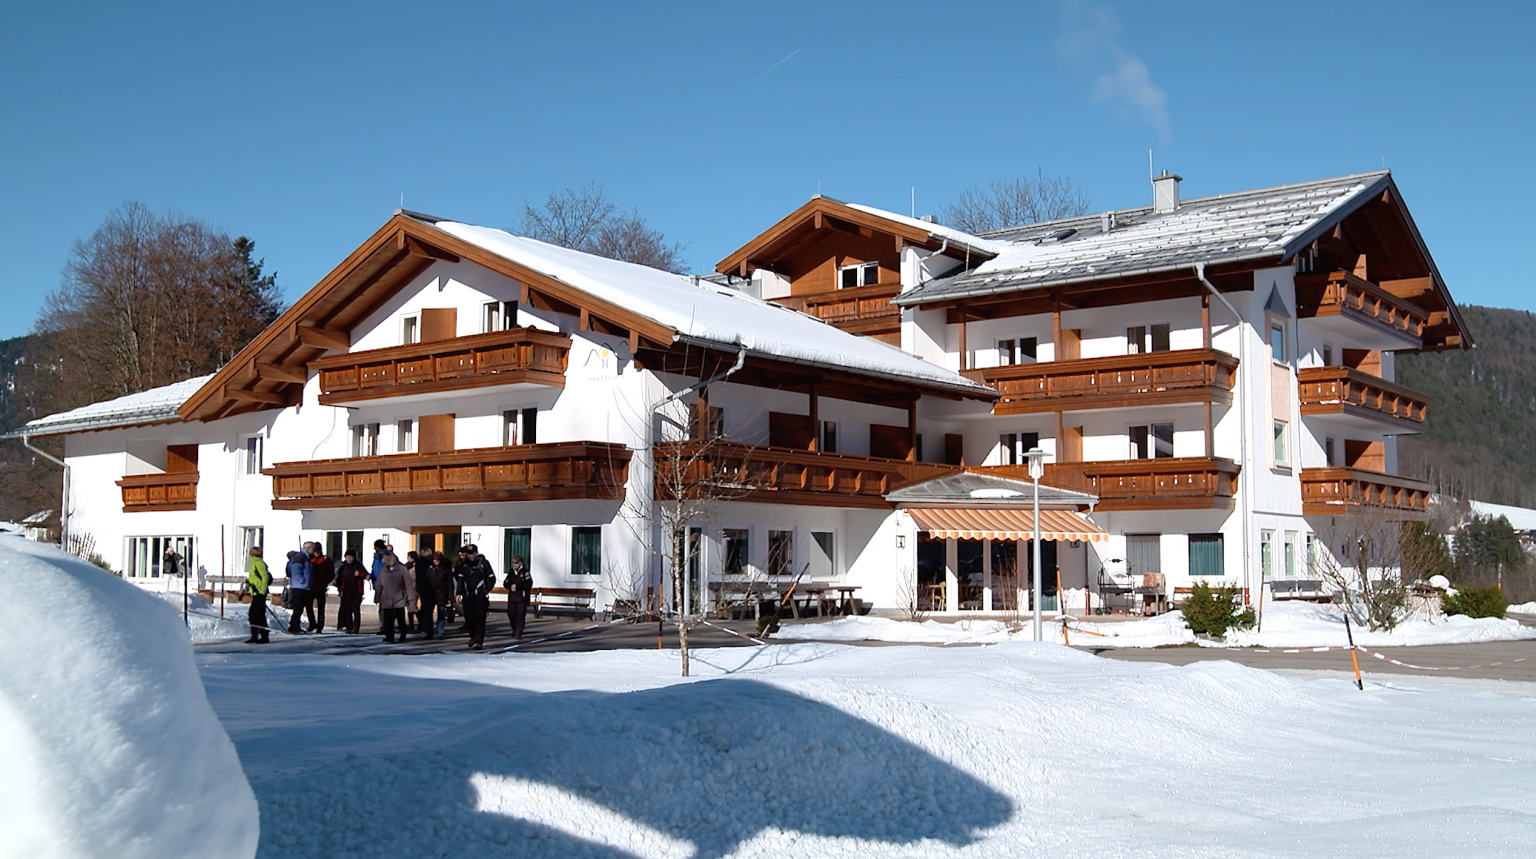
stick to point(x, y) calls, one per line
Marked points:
point(147, 300)
point(1015, 202)
point(584, 220)
point(1361, 560)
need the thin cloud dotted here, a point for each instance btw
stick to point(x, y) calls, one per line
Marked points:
point(1091, 40)
point(774, 66)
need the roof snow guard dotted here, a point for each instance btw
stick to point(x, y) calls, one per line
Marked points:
point(154, 406)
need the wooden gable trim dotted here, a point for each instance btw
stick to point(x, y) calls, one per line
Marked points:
point(818, 214)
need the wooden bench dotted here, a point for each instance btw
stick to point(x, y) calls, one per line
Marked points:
point(1297, 589)
point(576, 600)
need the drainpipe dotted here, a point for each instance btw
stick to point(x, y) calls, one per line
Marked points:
point(26, 441)
point(1245, 477)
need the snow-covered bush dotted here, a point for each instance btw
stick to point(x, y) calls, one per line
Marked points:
point(1476, 602)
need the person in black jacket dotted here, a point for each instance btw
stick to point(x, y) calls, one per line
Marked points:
point(434, 585)
point(519, 585)
point(475, 579)
point(351, 581)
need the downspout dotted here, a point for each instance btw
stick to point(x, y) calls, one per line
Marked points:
point(26, 441)
point(1245, 478)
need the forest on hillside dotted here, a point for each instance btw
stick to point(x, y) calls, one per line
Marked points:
point(1480, 441)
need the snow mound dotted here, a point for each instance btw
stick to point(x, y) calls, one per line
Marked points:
point(1161, 631)
point(1524, 608)
point(1303, 624)
point(109, 743)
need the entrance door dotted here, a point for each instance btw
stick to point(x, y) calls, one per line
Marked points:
point(438, 539)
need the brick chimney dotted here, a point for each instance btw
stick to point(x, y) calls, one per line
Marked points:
point(1165, 193)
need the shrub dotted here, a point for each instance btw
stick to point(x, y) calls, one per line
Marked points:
point(767, 624)
point(1477, 602)
point(1213, 611)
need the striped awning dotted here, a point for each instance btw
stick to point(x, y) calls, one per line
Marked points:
point(994, 523)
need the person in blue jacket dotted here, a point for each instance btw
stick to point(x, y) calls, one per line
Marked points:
point(299, 572)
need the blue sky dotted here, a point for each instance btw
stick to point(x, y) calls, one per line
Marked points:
point(301, 125)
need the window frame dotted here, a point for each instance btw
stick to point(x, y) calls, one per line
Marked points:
point(829, 550)
point(370, 433)
point(1150, 446)
point(497, 315)
point(252, 447)
point(861, 272)
point(1277, 325)
point(1013, 446)
point(1011, 351)
point(153, 555)
point(578, 532)
point(410, 329)
point(405, 435)
point(519, 426)
point(1143, 339)
point(1209, 539)
point(827, 443)
point(1281, 447)
point(781, 553)
point(735, 561)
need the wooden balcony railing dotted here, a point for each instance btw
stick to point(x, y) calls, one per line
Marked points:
point(530, 472)
point(1339, 293)
point(1151, 378)
point(1183, 483)
point(498, 358)
point(1351, 491)
point(1343, 390)
point(855, 305)
point(779, 475)
point(147, 492)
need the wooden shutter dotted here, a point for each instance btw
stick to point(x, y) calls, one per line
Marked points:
point(439, 323)
point(180, 458)
point(436, 434)
point(889, 442)
point(792, 431)
point(954, 448)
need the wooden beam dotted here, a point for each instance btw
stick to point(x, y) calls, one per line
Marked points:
point(280, 373)
point(418, 248)
point(323, 338)
point(815, 416)
point(912, 429)
point(256, 396)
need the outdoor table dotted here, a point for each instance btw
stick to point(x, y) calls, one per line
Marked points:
point(814, 593)
point(845, 598)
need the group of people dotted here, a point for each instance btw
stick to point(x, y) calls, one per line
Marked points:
point(420, 595)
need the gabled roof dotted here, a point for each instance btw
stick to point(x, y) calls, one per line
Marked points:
point(154, 406)
point(645, 305)
point(1268, 226)
point(780, 240)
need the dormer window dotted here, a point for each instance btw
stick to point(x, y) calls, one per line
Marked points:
point(858, 274)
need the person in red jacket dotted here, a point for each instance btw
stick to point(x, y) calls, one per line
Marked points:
point(351, 581)
point(322, 573)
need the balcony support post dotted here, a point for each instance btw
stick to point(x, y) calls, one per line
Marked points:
point(912, 430)
point(1210, 436)
point(1205, 320)
point(815, 415)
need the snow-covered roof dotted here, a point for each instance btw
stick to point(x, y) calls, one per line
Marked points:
point(1269, 223)
point(1520, 518)
point(712, 314)
point(156, 405)
point(938, 231)
point(972, 489)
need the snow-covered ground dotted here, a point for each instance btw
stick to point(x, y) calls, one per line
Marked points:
point(1286, 624)
point(824, 750)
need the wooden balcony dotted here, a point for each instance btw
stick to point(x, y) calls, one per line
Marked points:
point(859, 309)
point(148, 492)
point(530, 472)
point(1355, 491)
point(778, 475)
point(1346, 391)
point(1341, 296)
point(499, 358)
point(1151, 378)
point(1182, 483)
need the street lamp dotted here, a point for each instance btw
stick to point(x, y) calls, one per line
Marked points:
point(1036, 470)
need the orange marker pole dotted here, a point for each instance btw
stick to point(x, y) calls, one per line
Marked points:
point(1359, 684)
point(1064, 639)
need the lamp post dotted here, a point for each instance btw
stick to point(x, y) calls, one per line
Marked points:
point(1036, 470)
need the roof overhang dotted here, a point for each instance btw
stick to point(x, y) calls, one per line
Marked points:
point(821, 214)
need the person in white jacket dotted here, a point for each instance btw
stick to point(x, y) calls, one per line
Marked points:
point(397, 595)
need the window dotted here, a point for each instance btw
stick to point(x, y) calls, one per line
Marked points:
point(1205, 555)
point(1312, 559)
point(781, 553)
point(587, 551)
point(738, 544)
point(1267, 555)
point(828, 437)
point(338, 542)
point(405, 436)
point(1016, 351)
point(1015, 445)
point(1328, 448)
point(519, 542)
point(498, 316)
point(251, 536)
point(1141, 339)
point(1282, 446)
point(1290, 554)
point(146, 556)
point(251, 455)
point(520, 426)
point(1152, 441)
point(1277, 343)
point(858, 274)
point(410, 330)
point(1143, 553)
point(1327, 355)
point(365, 440)
point(823, 555)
